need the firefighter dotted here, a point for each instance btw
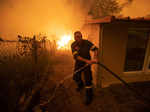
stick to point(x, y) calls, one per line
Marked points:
point(81, 53)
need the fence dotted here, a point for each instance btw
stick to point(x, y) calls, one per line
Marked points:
point(22, 65)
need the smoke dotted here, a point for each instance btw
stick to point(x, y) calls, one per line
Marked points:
point(51, 17)
point(135, 8)
point(127, 3)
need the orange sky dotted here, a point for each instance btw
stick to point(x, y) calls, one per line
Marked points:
point(29, 17)
point(137, 8)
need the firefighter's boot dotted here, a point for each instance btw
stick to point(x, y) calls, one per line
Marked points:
point(89, 96)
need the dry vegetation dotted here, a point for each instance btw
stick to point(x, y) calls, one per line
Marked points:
point(26, 82)
point(20, 72)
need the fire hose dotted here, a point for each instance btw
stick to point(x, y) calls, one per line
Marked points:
point(132, 89)
point(137, 94)
point(60, 83)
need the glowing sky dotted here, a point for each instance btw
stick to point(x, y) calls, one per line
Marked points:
point(137, 8)
point(28, 17)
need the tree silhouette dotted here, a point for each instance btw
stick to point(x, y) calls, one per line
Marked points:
point(102, 8)
point(1, 39)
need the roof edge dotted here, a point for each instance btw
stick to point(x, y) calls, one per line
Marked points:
point(109, 19)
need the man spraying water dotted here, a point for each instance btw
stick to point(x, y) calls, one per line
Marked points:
point(81, 53)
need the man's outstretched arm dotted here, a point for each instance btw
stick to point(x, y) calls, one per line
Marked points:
point(85, 60)
point(95, 50)
point(78, 57)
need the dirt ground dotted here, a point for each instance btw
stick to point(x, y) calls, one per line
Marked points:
point(111, 98)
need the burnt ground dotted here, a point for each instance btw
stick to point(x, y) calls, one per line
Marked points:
point(110, 98)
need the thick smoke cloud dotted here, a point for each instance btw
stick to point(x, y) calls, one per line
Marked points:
point(29, 17)
point(127, 3)
point(136, 8)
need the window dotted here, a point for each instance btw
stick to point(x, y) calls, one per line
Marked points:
point(136, 49)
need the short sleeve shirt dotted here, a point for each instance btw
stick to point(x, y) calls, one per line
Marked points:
point(82, 49)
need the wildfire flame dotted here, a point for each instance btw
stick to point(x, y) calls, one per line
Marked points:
point(63, 42)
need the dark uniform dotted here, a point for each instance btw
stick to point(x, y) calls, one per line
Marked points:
point(82, 49)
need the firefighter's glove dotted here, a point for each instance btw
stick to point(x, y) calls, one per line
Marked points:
point(91, 61)
point(95, 61)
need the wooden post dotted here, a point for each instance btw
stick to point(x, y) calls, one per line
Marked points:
point(34, 45)
point(100, 58)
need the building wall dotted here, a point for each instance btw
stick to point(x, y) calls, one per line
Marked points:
point(114, 40)
point(111, 38)
point(91, 32)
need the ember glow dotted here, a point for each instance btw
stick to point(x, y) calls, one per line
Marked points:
point(64, 41)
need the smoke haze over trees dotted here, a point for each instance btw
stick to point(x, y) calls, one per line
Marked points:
point(28, 17)
point(102, 8)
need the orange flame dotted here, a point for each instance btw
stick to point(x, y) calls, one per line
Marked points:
point(63, 43)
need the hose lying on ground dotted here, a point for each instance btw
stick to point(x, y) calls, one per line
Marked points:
point(137, 94)
point(60, 83)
